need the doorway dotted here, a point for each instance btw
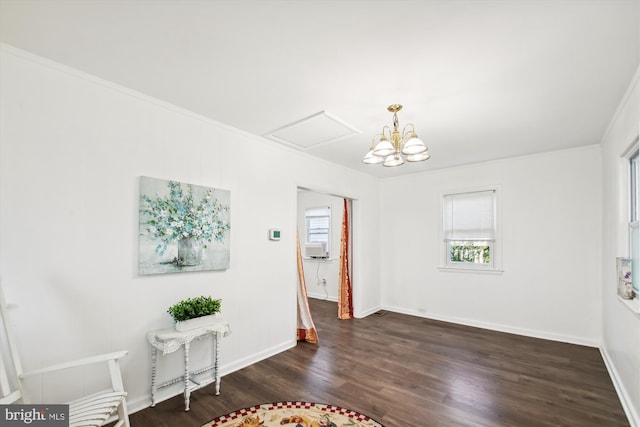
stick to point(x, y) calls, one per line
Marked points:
point(322, 273)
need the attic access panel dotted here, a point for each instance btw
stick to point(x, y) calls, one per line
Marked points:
point(312, 131)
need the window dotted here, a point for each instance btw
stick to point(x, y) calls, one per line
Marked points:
point(469, 228)
point(633, 187)
point(318, 225)
point(634, 235)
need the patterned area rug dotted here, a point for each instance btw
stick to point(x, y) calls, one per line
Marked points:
point(295, 414)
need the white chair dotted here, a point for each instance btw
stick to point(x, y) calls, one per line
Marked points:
point(93, 410)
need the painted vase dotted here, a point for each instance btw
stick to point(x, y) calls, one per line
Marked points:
point(189, 251)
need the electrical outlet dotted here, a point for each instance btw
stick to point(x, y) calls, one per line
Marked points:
point(324, 282)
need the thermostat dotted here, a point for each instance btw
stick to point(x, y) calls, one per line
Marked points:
point(274, 234)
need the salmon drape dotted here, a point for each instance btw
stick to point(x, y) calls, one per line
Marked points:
point(345, 301)
point(306, 328)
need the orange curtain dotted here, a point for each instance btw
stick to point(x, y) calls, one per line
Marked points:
point(345, 301)
point(306, 328)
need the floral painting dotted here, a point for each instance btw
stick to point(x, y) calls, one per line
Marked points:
point(183, 227)
point(625, 289)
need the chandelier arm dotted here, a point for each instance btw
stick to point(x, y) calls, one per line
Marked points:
point(388, 131)
point(405, 131)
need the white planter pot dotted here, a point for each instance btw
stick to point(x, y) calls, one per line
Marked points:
point(196, 322)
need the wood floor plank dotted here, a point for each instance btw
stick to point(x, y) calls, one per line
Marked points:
point(408, 371)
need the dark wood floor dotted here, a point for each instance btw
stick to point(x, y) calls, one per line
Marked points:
point(408, 371)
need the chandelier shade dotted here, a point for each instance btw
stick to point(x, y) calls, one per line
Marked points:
point(383, 148)
point(393, 160)
point(418, 157)
point(391, 145)
point(414, 146)
point(371, 159)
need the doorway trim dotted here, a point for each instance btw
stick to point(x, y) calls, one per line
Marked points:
point(355, 232)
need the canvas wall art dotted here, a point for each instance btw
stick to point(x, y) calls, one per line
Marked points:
point(183, 227)
point(623, 267)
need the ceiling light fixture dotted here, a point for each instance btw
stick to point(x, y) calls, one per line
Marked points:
point(388, 147)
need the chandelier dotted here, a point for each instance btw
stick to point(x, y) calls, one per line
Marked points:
point(389, 147)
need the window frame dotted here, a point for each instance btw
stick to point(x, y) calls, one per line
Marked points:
point(632, 197)
point(633, 185)
point(495, 244)
point(315, 213)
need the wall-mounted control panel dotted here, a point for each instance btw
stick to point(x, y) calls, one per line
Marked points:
point(274, 234)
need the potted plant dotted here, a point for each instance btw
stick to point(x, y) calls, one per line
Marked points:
point(192, 313)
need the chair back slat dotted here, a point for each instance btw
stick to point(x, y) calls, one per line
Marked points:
point(12, 367)
point(92, 410)
point(12, 397)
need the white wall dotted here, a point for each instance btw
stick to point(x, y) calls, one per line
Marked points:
point(621, 327)
point(551, 228)
point(72, 148)
point(317, 269)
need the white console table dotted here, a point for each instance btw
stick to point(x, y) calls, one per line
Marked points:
point(169, 340)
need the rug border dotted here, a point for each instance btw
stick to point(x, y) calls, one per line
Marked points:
point(289, 404)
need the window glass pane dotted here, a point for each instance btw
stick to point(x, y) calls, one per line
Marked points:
point(635, 252)
point(633, 181)
point(469, 229)
point(634, 235)
point(318, 223)
point(475, 252)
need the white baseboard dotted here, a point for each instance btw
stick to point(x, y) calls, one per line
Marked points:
point(144, 402)
point(323, 297)
point(257, 357)
point(632, 415)
point(625, 400)
point(500, 328)
point(368, 312)
point(136, 405)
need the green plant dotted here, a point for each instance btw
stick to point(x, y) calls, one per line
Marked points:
point(194, 307)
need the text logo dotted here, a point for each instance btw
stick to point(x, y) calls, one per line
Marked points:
point(34, 415)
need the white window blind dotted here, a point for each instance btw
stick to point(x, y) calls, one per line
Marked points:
point(469, 216)
point(318, 225)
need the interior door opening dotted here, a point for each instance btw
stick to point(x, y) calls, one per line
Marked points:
point(321, 273)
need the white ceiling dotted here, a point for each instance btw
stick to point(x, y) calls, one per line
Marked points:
point(479, 79)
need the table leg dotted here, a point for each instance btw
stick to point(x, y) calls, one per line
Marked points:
point(187, 393)
point(216, 344)
point(154, 361)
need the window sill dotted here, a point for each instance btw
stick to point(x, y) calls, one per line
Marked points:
point(632, 304)
point(469, 270)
